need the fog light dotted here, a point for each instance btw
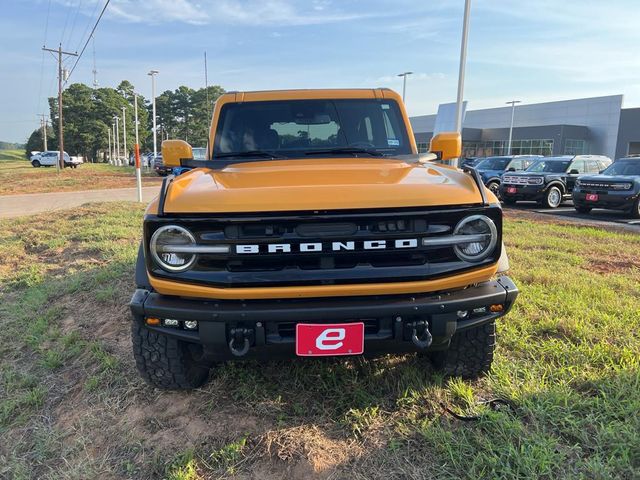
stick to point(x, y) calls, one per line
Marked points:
point(190, 324)
point(496, 308)
point(463, 313)
point(170, 322)
point(152, 321)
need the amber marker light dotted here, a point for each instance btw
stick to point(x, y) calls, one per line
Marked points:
point(152, 321)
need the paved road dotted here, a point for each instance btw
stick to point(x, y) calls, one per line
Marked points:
point(18, 205)
point(597, 217)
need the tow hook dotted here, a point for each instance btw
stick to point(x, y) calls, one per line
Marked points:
point(420, 334)
point(240, 343)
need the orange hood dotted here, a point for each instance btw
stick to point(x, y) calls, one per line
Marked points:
point(319, 184)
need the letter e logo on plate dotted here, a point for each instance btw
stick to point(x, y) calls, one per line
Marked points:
point(329, 339)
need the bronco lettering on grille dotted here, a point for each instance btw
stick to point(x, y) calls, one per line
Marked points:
point(311, 247)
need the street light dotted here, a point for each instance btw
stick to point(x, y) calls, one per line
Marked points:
point(513, 111)
point(404, 83)
point(153, 74)
point(117, 120)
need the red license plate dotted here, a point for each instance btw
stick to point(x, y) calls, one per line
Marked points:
point(592, 197)
point(511, 190)
point(329, 339)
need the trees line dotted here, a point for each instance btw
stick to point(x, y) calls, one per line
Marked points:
point(88, 113)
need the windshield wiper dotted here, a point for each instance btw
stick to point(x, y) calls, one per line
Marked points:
point(341, 150)
point(249, 153)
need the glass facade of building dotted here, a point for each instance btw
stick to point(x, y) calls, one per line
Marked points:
point(500, 147)
point(576, 147)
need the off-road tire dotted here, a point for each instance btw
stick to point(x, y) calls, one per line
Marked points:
point(547, 201)
point(635, 210)
point(165, 362)
point(583, 209)
point(494, 186)
point(470, 353)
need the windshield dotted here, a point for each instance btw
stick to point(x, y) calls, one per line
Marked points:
point(623, 168)
point(494, 163)
point(296, 128)
point(554, 166)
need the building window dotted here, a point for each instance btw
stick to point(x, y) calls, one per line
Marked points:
point(575, 147)
point(482, 149)
point(423, 147)
point(532, 147)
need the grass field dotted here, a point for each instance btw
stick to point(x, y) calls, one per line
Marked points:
point(72, 405)
point(18, 176)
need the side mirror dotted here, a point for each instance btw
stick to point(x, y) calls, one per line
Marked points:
point(574, 172)
point(511, 169)
point(175, 150)
point(446, 145)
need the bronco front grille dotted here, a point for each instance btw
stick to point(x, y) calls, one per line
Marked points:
point(323, 248)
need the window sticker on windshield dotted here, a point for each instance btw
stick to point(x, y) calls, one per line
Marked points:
point(393, 143)
point(385, 106)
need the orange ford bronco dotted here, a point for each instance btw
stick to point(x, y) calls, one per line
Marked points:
point(314, 228)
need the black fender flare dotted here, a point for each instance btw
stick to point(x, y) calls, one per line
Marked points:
point(141, 276)
point(493, 179)
point(556, 183)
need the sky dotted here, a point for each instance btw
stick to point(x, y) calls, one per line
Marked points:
point(533, 50)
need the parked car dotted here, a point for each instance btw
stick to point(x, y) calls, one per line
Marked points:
point(617, 188)
point(199, 153)
point(160, 168)
point(49, 159)
point(492, 168)
point(470, 161)
point(550, 180)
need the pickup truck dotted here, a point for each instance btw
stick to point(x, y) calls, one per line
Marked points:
point(314, 228)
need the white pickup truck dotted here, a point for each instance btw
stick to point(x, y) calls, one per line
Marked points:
point(50, 157)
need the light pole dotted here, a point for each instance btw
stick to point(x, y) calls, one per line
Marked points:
point(404, 83)
point(109, 135)
point(461, 70)
point(513, 112)
point(153, 74)
point(116, 119)
point(124, 137)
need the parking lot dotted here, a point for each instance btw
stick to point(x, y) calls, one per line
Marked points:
point(566, 212)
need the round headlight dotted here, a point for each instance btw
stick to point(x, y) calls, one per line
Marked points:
point(168, 248)
point(485, 237)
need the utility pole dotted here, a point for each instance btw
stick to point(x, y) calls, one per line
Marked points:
point(124, 136)
point(461, 70)
point(404, 83)
point(153, 74)
point(513, 112)
point(43, 122)
point(60, 53)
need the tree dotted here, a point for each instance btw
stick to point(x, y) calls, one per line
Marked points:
point(35, 142)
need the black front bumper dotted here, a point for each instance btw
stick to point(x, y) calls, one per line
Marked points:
point(271, 323)
point(611, 200)
point(523, 192)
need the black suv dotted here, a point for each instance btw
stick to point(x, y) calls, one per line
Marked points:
point(550, 180)
point(617, 188)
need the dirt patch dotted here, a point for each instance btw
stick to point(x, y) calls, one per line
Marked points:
point(616, 263)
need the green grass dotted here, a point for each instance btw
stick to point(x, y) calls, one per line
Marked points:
point(12, 155)
point(17, 176)
point(568, 358)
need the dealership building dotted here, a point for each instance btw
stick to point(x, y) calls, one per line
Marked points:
point(598, 126)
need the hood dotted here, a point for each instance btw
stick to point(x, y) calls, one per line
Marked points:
point(610, 178)
point(319, 184)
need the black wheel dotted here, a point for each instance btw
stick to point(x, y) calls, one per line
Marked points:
point(552, 198)
point(165, 362)
point(581, 209)
point(36, 164)
point(494, 186)
point(509, 201)
point(470, 353)
point(635, 210)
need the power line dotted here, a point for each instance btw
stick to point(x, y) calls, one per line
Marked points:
point(88, 39)
point(86, 29)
